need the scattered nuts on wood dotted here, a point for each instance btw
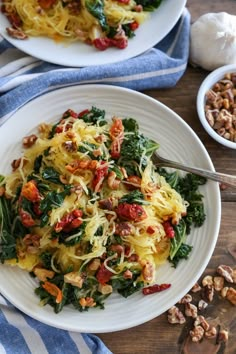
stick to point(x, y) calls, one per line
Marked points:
point(190, 310)
point(196, 288)
point(226, 272)
point(218, 283)
point(207, 280)
point(197, 333)
point(231, 295)
point(175, 315)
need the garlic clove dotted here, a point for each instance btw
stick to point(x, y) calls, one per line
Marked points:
point(213, 40)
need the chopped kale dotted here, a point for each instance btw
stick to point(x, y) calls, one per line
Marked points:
point(7, 239)
point(94, 116)
point(51, 175)
point(133, 197)
point(96, 9)
point(182, 253)
point(137, 147)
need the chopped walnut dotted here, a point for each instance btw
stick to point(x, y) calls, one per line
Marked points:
point(231, 295)
point(218, 283)
point(201, 321)
point(197, 333)
point(43, 274)
point(74, 278)
point(211, 332)
point(234, 276)
point(209, 292)
point(70, 146)
point(196, 288)
point(94, 264)
point(224, 291)
point(16, 33)
point(190, 310)
point(207, 280)
point(105, 289)
point(29, 141)
point(226, 272)
point(223, 335)
point(202, 305)
point(175, 316)
point(187, 298)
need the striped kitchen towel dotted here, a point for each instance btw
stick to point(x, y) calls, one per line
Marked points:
point(21, 334)
point(23, 77)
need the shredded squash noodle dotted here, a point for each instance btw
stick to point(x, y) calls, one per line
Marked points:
point(86, 213)
point(102, 23)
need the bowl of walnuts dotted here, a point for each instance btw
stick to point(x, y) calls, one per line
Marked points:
point(216, 105)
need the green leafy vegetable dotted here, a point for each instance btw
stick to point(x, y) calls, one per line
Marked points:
point(180, 237)
point(137, 147)
point(50, 201)
point(51, 175)
point(95, 116)
point(126, 287)
point(130, 125)
point(182, 253)
point(96, 9)
point(7, 240)
point(133, 197)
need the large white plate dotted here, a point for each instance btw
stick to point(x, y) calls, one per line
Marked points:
point(178, 142)
point(78, 54)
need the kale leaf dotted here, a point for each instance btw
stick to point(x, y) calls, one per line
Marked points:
point(133, 197)
point(94, 116)
point(96, 9)
point(136, 147)
point(7, 240)
point(51, 175)
point(182, 253)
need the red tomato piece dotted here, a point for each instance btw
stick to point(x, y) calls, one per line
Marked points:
point(31, 192)
point(26, 218)
point(132, 212)
point(103, 274)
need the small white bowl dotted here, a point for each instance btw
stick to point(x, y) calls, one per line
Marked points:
point(207, 84)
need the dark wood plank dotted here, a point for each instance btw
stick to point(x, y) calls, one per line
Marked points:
point(158, 336)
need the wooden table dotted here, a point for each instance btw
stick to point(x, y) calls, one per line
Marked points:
point(158, 336)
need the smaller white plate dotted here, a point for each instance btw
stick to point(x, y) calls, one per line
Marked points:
point(78, 54)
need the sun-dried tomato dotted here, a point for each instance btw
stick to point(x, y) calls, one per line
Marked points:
point(156, 288)
point(31, 192)
point(134, 25)
point(82, 113)
point(69, 221)
point(46, 4)
point(100, 173)
point(103, 274)
point(133, 212)
point(169, 230)
point(26, 218)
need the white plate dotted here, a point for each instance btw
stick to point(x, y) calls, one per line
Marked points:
point(178, 142)
point(79, 54)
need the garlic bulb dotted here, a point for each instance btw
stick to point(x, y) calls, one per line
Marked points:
point(213, 40)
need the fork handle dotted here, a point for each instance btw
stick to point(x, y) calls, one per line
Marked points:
point(215, 176)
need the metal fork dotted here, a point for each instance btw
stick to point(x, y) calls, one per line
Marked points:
point(215, 176)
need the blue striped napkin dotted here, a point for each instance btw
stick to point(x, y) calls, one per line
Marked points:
point(23, 78)
point(21, 334)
